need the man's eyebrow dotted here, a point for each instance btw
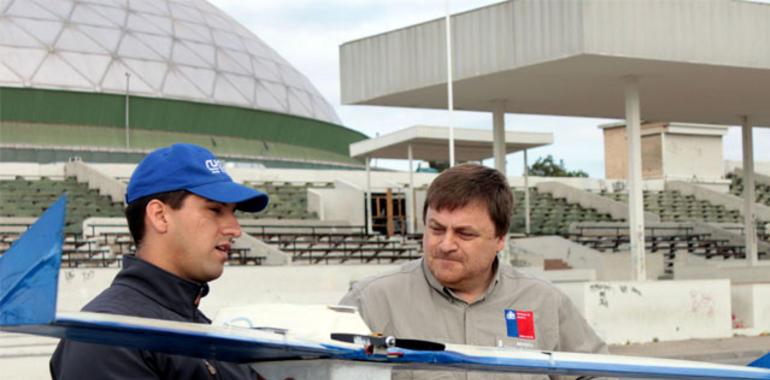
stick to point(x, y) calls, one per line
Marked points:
point(435, 222)
point(209, 202)
point(467, 228)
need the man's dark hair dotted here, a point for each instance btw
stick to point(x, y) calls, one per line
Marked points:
point(463, 184)
point(136, 211)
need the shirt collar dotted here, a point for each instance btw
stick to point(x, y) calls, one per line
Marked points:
point(448, 293)
point(176, 293)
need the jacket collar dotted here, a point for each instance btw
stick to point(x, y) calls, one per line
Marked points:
point(179, 295)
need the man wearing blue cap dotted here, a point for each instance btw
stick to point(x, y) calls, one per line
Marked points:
point(181, 215)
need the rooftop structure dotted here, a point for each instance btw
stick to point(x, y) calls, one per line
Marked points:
point(684, 60)
point(669, 150)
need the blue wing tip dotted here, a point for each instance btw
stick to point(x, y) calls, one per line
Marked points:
point(763, 362)
point(30, 270)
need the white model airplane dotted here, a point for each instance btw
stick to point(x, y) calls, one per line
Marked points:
point(28, 285)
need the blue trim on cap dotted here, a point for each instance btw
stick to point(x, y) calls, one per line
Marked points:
point(193, 168)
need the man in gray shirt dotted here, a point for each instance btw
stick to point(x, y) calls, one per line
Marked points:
point(459, 292)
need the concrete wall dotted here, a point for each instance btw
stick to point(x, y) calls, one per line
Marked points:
point(344, 203)
point(751, 308)
point(652, 156)
point(638, 312)
point(617, 210)
point(300, 284)
point(9, 170)
point(106, 184)
point(688, 156)
point(609, 266)
point(737, 271)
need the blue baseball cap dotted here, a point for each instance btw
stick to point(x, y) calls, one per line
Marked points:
point(195, 169)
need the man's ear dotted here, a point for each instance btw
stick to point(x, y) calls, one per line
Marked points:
point(155, 216)
point(501, 242)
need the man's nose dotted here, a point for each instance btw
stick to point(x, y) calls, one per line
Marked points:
point(448, 242)
point(232, 227)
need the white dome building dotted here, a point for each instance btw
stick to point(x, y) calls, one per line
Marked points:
point(190, 71)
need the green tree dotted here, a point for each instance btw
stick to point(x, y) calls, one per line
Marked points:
point(547, 167)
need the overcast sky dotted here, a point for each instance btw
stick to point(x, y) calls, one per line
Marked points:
point(308, 34)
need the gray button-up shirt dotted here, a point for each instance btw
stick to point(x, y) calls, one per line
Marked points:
point(411, 303)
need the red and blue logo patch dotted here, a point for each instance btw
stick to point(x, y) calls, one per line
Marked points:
point(520, 324)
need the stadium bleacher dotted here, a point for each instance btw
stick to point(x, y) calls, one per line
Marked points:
point(288, 200)
point(25, 199)
point(672, 206)
point(549, 215)
point(22, 197)
point(761, 192)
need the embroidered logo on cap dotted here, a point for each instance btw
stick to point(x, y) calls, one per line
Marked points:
point(520, 324)
point(214, 166)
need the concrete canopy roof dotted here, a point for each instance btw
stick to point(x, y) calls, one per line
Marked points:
point(432, 143)
point(696, 61)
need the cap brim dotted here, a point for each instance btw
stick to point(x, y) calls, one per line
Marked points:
point(244, 197)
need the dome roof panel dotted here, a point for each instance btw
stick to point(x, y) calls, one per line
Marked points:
point(245, 85)
point(86, 14)
point(266, 69)
point(55, 71)
point(176, 49)
point(115, 15)
point(60, 9)
point(183, 12)
point(72, 39)
point(14, 35)
point(44, 31)
point(111, 3)
point(216, 20)
point(91, 66)
point(193, 54)
point(225, 90)
point(192, 31)
point(148, 23)
point(233, 62)
point(227, 40)
point(258, 48)
point(133, 47)
point(23, 62)
point(150, 72)
point(149, 6)
point(115, 80)
point(203, 79)
point(30, 9)
point(7, 76)
point(106, 37)
point(159, 43)
point(272, 96)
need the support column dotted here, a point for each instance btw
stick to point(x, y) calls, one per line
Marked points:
point(450, 85)
point(527, 227)
point(749, 218)
point(410, 212)
point(635, 196)
point(498, 135)
point(368, 195)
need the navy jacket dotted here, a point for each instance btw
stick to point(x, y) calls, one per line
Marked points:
point(143, 290)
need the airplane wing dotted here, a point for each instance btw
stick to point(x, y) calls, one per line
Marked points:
point(28, 285)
